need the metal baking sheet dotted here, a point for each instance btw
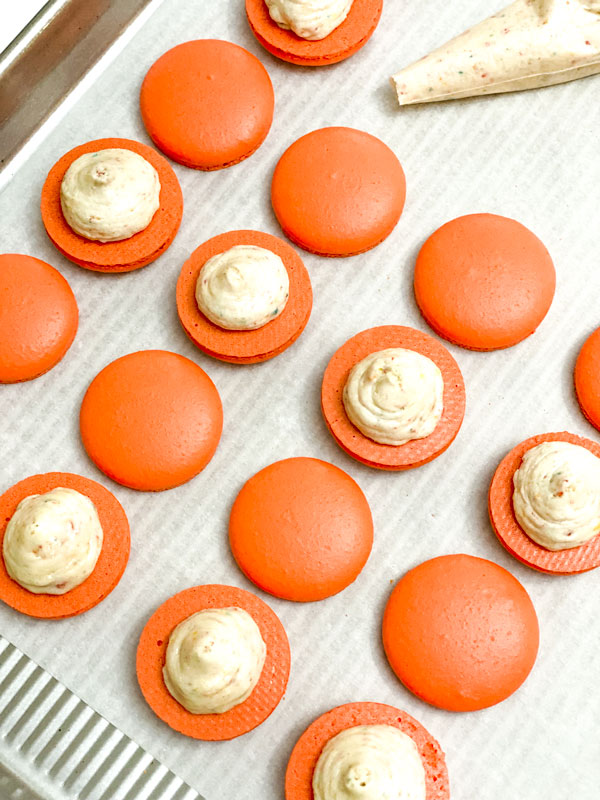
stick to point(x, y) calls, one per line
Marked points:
point(54, 746)
point(532, 156)
point(48, 59)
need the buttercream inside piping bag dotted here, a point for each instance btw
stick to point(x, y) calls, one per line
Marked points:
point(529, 44)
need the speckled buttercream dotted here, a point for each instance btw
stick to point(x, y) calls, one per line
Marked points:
point(529, 44)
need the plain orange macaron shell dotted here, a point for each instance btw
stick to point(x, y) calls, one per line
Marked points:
point(510, 533)
point(338, 191)
point(301, 529)
point(460, 632)
point(265, 696)
point(484, 282)
point(356, 444)
point(151, 420)
point(245, 347)
point(138, 250)
point(305, 755)
point(354, 32)
point(207, 104)
point(38, 317)
point(109, 567)
point(587, 378)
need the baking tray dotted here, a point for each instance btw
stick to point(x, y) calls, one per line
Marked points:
point(532, 156)
point(53, 745)
point(48, 59)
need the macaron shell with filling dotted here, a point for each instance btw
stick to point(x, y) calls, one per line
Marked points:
point(245, 347)
point(265, 696)
point(306, 752)
point(356, 444)
point(129, 254)
point(111, 561)
point(510, 533)
point(354, 32)
point(38, 317)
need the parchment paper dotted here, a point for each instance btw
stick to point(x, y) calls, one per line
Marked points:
point(532, 156)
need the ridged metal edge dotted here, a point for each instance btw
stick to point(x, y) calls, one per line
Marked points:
point(53, 745)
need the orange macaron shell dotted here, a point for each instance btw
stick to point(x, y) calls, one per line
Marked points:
point(356, 444)
point(460, 632)
point(301, 529)
point(484, 282)
point(265, 696)
point(306, 752)
point(338, 191)
point(109, 567)
point(128, 254)
point(354, 32)
point(207, 104)
point(38, 317)
point(245, 347)
point(510, 533)
point(151, 420)
point(587, 378)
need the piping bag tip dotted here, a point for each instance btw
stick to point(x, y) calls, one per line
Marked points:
point(527, 45)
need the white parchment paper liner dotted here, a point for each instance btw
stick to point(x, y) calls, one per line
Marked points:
point(519, 156)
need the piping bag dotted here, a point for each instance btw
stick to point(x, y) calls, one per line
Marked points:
point(529, 44)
